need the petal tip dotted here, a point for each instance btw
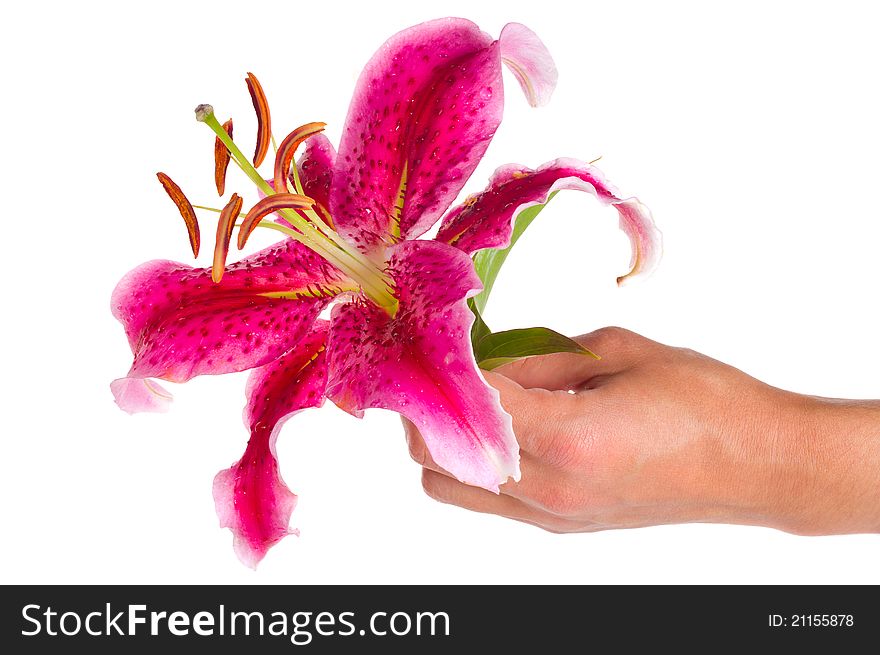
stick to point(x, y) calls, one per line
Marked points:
point(255, 529)
point(530, 62)
point(646, 240)
point(134, 395)
point(506, 462)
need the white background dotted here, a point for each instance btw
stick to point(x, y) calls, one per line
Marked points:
point(751, 131)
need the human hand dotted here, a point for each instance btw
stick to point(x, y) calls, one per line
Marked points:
point(653, 434)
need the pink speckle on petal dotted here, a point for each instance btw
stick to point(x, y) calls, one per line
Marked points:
point(394, 127)
point(316, 168)
point(180, 324)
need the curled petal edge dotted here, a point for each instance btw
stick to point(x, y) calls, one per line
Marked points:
point(476, 225)
point(134, 395)
point(530, 62)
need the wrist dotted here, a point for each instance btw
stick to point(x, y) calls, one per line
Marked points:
point(825, 466)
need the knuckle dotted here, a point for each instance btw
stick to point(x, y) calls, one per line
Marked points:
point(611, 339)
point(688, 352)
point(611, 334)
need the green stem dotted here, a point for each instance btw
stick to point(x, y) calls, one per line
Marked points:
point(311, 214)
point(297, 183)
point(488, 262)
point(303, 239)
point(209, 119)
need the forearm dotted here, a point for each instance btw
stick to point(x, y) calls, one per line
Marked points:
point(824, 466)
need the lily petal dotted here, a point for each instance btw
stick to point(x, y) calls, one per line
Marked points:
point(421, 365)
point(250, 497)
point(180, 324)
point(530, 62)
point(316, 169)
point(486, 219)
point(133, 395)
point(423, 112)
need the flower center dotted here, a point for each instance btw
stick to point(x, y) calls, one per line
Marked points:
point(307, 226)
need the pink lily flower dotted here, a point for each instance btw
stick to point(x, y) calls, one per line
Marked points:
point(423, 113)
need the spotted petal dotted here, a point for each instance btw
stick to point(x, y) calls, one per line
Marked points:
point(486, 219)
point(251, 498)
point(316, 168)
point(420, 364)
point(423, 113)
point(180, 324)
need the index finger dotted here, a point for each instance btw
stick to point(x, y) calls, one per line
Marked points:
point(547, 424)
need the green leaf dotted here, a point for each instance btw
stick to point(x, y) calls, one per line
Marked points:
point(479, 330)
point(488, 262)
point(499, 348)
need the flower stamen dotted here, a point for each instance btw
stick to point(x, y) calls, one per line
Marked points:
point(205, 114)
point(324, 215)
point(266, 206)
point(264, 119)
point(225, 225)
point(221, 159)
point(285, 173)
point(186, 211)
point(324, 241)
point(286, 152)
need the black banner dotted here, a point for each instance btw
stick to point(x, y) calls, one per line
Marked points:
point(49, 619)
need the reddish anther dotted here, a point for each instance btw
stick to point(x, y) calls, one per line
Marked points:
point(224, 233)
point(287, 150)
point(264, 120)
point(221, 159)
point(267, 206)
point(186, 211)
